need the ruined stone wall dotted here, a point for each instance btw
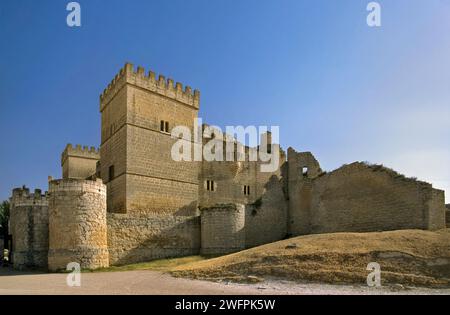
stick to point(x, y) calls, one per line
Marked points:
point(222, 229)
point(435, 209)
point(361, 198)
point(77, 224)
point(266, 219)
point(136, 238)
point(147, 179)
point(79, 162)
point(302, 169)
point(29, 228)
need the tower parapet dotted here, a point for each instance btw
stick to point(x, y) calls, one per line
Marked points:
point(150, 82)
point(23, 197)
point(80, 151)
point(79, 162)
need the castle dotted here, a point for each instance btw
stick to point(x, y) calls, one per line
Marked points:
point(130, 201)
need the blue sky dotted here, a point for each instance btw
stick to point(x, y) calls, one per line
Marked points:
point(335, 86)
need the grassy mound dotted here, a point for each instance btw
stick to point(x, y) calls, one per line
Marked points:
point(409, 257)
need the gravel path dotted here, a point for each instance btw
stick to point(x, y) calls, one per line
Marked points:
point(153, 282)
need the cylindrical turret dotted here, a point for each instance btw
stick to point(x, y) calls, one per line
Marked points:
point(222, 229)
point(29, 228)
point(77, 224)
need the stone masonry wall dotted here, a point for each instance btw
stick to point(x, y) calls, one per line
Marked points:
point(29, 229)
point(435, 209)
point(362, 198)
point(302, 169)
point(77, 224)
point(222, 229)
point(266, 219)
point(113, 150)
point(136, 238)
point(230, 177)
point(447, 215)
point(154, 181)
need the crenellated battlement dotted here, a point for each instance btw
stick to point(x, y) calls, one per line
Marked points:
point(137, 77)
point(80, 151)
point(22, 197)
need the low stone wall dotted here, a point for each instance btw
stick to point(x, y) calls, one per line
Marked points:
point(134, 238)
point(223, 229)
point(77, 224)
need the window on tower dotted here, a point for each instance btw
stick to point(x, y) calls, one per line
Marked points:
point(111, 173)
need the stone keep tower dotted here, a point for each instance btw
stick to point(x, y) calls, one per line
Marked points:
point(138, 113)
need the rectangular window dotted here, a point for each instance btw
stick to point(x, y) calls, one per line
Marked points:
point(210, 185)
point(246, 190)
point(164, 126)
point(111, 173)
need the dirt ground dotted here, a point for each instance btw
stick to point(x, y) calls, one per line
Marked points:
point(156, 282)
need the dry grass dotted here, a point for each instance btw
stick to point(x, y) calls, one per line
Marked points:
point(157, 265)
point(409, 257)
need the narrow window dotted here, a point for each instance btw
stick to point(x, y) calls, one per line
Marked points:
point(167, 126)
point(246, 190)
point(210, 185)
point(161, 127)
point(304, 171)
point(111, 172)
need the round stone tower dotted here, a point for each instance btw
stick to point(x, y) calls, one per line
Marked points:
point(223, 229)
point(77, 224)
point(29, 228)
